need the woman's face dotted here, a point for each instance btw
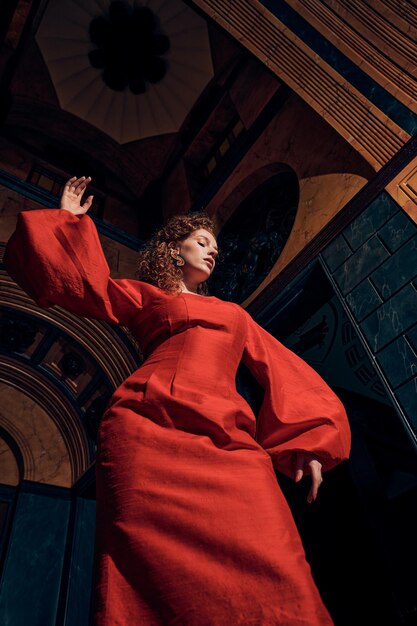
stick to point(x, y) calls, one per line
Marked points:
point(199, 251)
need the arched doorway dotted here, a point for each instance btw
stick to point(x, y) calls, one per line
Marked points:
point(253, 237)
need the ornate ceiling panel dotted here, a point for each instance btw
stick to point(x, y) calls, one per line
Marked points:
point(131, 71)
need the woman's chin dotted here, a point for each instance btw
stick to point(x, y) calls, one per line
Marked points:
point(206, 276)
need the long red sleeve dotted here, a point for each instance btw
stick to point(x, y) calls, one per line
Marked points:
point(299, 410)
point(56, 257)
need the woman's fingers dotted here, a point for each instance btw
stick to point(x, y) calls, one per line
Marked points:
point(77, 185)
point(80, 184)
point(70, 182)
point(299, 466)
point(72, 194)
point(306, 463)
point(316, 480)
point(87, 204)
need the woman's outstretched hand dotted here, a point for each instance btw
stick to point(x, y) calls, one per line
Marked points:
point(72, 194)
point(306, 463)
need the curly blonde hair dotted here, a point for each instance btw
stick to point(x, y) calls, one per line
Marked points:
point(155, 264)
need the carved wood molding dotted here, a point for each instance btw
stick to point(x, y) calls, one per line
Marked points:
point(379, 36)
point(96, 337)
point(348, 111)
point(403, 188)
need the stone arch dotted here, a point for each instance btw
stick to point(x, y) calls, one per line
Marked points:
point(257, 220)
point(48, 434)
point(11, 459)
point(43, 408)
point(321, 198)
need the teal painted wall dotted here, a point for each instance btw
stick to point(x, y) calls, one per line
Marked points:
point(31, 577)
point(77, 609)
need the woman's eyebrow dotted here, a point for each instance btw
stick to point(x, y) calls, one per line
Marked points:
point(208, 241)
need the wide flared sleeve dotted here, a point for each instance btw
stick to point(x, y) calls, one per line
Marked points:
point(56, 257)
point(299, 410)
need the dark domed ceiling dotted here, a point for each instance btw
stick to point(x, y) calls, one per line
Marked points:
point(131, 70)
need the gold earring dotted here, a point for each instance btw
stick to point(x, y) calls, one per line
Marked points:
point(178, 259)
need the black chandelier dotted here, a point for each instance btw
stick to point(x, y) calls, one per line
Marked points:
point(129, 48)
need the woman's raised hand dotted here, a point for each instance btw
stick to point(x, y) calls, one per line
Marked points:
point(72, 194)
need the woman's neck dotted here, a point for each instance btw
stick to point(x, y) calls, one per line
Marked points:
point(188, 288)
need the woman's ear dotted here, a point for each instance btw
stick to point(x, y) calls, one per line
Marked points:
point(173, 247)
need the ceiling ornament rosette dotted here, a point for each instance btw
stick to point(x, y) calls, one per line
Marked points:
point(181, 43)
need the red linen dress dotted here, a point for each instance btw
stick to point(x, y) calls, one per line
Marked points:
point(192, 527)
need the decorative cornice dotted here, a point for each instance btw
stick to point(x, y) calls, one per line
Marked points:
point(344, 107)
point(371, 34)
point(49, 200)
point(96, 337)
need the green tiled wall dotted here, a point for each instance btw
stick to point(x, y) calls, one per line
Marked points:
point(374, 264)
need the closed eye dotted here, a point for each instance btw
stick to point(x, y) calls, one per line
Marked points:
point(200, 243)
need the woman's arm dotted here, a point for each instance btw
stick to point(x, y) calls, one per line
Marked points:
point(55, 255)
point(302, 424)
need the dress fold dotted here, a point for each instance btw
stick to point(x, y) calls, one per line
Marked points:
point(56, 257)
point(299, 411)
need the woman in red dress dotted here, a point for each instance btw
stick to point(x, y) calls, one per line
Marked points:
point(192, 527)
